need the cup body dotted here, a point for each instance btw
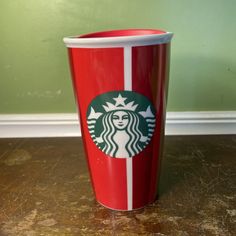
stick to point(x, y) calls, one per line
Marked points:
point(120, 80)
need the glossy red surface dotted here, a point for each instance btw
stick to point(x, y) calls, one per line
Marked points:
point(99, 70)
point(149, 76)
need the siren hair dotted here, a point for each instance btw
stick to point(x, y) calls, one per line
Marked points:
point(110, 146)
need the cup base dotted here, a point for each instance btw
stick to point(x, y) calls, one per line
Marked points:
point(123, 210)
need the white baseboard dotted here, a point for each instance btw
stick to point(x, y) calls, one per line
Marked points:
point(201, 123)
point(67, 125)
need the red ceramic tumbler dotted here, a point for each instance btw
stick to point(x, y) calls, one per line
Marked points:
point(120, 79)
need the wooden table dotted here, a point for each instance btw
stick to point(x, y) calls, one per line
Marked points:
point(45, 190)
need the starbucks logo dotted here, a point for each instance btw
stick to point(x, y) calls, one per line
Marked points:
point(121, 123)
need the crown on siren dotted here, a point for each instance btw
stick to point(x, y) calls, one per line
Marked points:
point(120, 105)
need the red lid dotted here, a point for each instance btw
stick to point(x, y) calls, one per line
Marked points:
point(120, 33)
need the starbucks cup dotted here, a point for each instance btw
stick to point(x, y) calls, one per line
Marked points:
point(120, 80)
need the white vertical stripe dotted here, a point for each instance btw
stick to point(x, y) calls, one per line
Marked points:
point(129, 176)
point(129, 161)
point(128, 68)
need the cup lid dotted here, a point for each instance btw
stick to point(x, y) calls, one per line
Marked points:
point(119, 38)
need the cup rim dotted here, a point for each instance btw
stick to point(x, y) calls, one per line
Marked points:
point(119, 38)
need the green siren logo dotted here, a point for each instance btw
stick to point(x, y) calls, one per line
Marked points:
point(121, 123)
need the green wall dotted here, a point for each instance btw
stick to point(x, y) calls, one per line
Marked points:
point(34, 73)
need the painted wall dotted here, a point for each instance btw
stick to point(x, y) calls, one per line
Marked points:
point(34, 73)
